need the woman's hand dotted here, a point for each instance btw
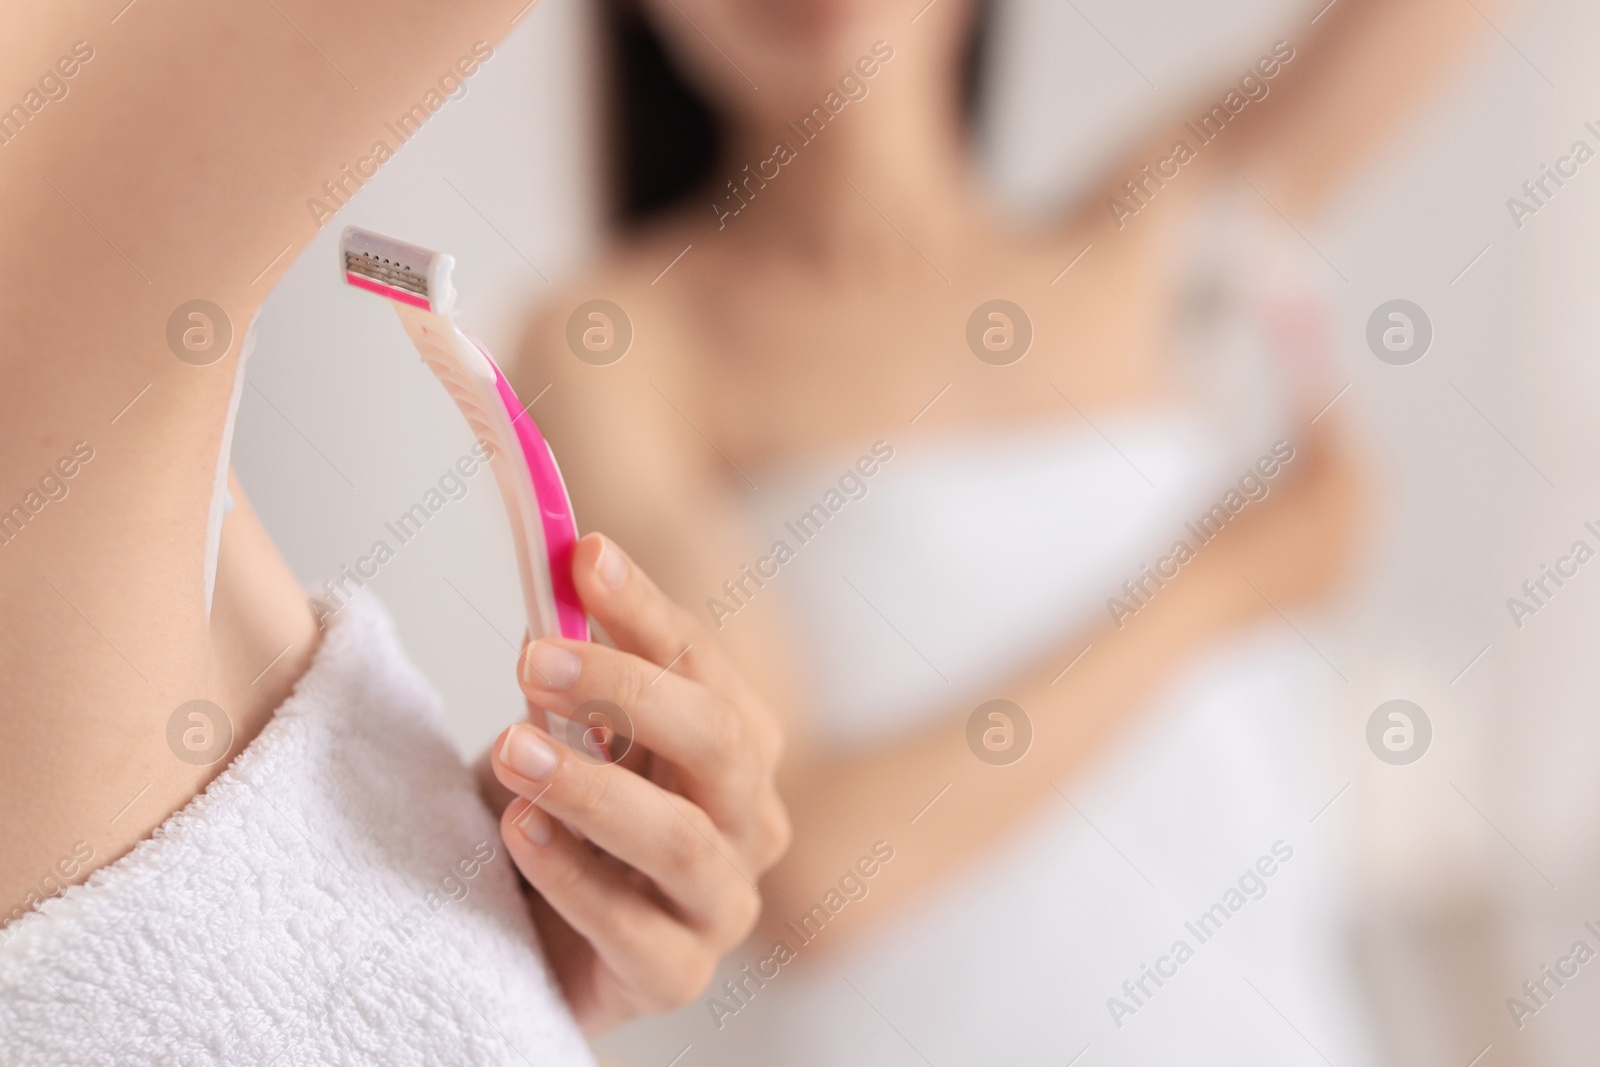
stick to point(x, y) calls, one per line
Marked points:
point(1296, 545)
point(646, 842)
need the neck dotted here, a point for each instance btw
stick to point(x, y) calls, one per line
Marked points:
point(825, 183)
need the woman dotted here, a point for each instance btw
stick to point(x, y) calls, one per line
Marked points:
point(814, 286)
point(284, 861)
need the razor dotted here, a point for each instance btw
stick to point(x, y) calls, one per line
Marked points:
point(417, 283)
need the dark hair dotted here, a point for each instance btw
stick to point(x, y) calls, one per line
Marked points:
point(664, 138)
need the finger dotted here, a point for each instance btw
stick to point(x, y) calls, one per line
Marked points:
point(633, 937)
point(677, 718)
point(641, 618)
point(663, 836)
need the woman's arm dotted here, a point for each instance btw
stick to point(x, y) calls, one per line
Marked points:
point(1363, 68)
point(1349, 80)
point(175, 163)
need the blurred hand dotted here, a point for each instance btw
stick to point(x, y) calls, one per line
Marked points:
point(645, 842)
point(1297, 543)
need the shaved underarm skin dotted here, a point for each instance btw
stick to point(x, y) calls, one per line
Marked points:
point(177, 167)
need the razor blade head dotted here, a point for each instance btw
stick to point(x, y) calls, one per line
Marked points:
point(404, 273)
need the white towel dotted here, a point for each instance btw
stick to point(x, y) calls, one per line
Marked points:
point(339, 894)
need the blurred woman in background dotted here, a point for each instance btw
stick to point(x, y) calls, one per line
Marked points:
point(912, 459)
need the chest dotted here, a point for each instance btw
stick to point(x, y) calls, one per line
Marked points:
point(812, 367)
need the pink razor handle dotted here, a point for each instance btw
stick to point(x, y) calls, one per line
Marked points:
point(555, 507)
point(417, 283)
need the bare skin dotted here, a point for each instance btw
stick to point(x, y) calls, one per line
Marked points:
point(179, 166)
point(644, 869)
point(106, 630)
point(832, 308)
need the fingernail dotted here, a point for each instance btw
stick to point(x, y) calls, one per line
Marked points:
point(548, 666)
point(527, 754)
point(610, 567)
point(534, 824)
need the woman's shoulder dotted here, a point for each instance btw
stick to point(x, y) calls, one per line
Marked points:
point(619, 331)
point(641, 277)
